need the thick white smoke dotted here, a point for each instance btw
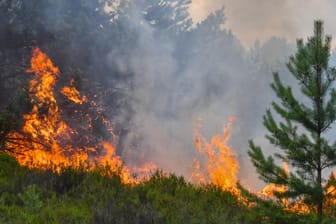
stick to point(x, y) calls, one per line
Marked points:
point(163, 77)
point(219, 78)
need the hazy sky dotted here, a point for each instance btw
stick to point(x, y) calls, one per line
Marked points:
point(261, 19)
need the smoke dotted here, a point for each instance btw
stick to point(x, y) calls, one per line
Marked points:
point(167, 75)
point(159, 73)
point(204, 72)
point(262, 19)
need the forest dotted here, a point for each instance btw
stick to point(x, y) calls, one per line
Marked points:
point(113, 111)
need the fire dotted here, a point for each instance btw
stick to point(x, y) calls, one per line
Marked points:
point(221, 168)
point(269, 191)
point(115, 163)
point(38, 145)
point(46, 141)
point(221, 161)
point(332, 189)
point(73, 94)
point(271, 188)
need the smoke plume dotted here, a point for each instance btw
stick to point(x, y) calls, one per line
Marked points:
point(154, 71)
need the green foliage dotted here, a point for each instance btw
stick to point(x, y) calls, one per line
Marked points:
point(30, 199)
point(300, 135)
point(267, 211)
point(34, 196)
point(62, 28)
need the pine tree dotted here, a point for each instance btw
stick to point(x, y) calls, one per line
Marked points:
point(300, 134)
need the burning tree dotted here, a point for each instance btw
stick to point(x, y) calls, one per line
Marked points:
point(47, 141)
point(301, 135)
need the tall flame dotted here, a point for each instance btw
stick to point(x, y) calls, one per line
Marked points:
point(46, 140)
point(38, 144)
point(221, 165)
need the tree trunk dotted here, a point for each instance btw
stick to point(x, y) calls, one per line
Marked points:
point(319, 102)
point(320, 198)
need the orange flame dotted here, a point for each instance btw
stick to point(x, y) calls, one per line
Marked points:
point(45, 139)
point(269, 191)
point(221, 161)
point(38, 145)
point(332, 189)
point(73, 94)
